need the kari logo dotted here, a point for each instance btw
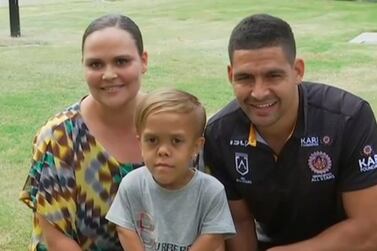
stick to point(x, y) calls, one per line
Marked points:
point(242, 163)
point(368, 163)
point(319, 162)
point(309, 141)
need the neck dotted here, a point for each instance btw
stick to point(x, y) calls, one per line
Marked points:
point(281, 131)
point(120, 117)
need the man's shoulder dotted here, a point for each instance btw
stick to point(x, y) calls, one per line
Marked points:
point(331, 99)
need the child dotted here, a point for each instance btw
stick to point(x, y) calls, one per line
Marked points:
point(168, 204)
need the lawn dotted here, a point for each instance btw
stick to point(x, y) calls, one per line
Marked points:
point(187, 43)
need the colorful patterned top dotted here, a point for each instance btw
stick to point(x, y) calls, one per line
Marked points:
point(72, 183)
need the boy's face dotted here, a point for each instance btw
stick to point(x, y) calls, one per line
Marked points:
point(169, 143)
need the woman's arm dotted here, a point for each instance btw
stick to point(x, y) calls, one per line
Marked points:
point(54, 239)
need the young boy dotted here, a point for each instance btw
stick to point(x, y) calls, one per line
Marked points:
point(168, 204)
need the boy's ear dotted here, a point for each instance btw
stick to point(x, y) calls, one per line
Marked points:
point(199, 145)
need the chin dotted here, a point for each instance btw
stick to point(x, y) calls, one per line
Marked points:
point(262, 123)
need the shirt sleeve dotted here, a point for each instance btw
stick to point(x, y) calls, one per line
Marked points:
point(120, 212)
point(215, 165)
point(217, 218)
point(359, 162)
point(50, 186)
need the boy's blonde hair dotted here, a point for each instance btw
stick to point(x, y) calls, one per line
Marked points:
point(170, 100)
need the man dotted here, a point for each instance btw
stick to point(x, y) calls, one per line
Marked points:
point(298, 160)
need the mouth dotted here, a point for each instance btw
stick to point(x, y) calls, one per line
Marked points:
point(163, 165)
point(111, 88)
point(264, 105)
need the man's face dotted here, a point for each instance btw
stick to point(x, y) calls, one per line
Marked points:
point(265, 85)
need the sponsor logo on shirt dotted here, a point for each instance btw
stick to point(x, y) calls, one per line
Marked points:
point(309, 141)
point(367, 150)
point(242, 167)
point(320, 164)
point(369, 161)
point(326, 140)
point(313, 141)
point(367, 164)
point(238, 142)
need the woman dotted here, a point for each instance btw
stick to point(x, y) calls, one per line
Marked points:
point(82, 153)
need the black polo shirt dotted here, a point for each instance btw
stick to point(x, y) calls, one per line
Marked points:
point(297, 195)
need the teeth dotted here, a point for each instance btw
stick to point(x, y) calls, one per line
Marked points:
point(111, 88)
point(264, 105)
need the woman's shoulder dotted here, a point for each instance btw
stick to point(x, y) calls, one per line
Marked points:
point(70, 113)
point(61, 123)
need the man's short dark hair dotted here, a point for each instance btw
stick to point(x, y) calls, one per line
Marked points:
point(261, 31)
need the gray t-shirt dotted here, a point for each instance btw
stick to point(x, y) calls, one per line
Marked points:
point(171, 219)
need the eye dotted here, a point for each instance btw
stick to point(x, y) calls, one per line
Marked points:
point(95, 65)
point(122, 61)
point(243, 79)
point(275, 75)
point(177, 141)
point(150, 140)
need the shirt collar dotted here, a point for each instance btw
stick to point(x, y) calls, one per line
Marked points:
point(302, 118)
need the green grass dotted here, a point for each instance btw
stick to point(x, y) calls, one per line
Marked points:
point(187, 44)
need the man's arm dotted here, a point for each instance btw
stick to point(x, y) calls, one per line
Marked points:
point(54, 239)
point(245, 238)
point(129, 239)
point(357, 233)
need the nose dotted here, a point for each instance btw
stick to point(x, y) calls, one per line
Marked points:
point(163, 151)
point(259, 90)
point(109, 73)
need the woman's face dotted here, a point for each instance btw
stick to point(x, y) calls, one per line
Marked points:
point(113, 67)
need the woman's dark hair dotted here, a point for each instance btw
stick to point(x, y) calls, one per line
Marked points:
point(114, 20)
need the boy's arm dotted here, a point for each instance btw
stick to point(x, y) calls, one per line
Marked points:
point(129, 239)
point(208, 242)
point(54, 239)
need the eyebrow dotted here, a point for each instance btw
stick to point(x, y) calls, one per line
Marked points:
point(151, 134)
point(89, 60)
point(241, 75)
point(275, 70)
